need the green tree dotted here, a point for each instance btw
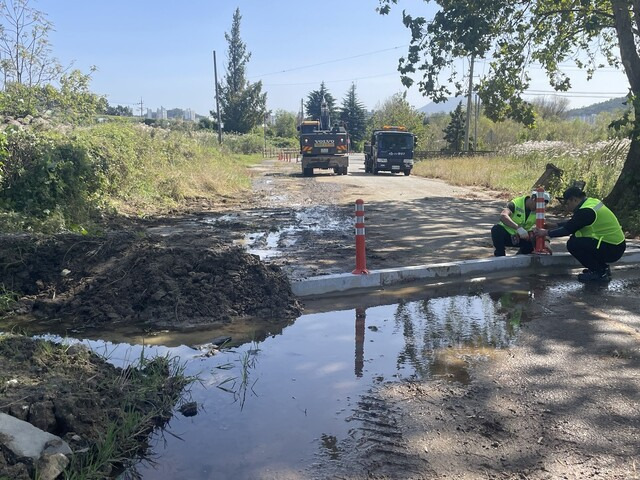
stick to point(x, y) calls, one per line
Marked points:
point(285, 124)
point(314, 102)
point(75, 101)
point(552, 107)
point(119, 111)
point(397, 111)
point(590, 33)
point(353, 114)
point(242, 104)
point(454, 132)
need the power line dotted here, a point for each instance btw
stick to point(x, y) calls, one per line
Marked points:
point(329, 81)
point(554, 92)
point(329, 61)
point(567, 66)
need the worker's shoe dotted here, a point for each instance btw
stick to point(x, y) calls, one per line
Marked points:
point(607, 271)
point(591, 276)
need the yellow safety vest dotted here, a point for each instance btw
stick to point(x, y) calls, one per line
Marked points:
point(605, 228)
point(518, 216)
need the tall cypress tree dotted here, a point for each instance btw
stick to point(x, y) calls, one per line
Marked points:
point(242, 104)
point(353, 115)
point(454, 132)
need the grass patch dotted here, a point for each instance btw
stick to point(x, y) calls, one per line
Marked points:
point(149, 390)
point(516, 171)
point(8, 299)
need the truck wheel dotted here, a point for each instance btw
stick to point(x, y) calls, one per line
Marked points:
point(407, 173)
point(374, 170)
point(345, 170)
point(307, 172)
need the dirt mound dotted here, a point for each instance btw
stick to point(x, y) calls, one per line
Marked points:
point(172, 281)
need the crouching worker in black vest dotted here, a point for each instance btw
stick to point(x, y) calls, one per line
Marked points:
point(516, 220)
point(596, 236)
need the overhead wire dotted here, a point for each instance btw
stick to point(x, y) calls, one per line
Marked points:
point(335, 60)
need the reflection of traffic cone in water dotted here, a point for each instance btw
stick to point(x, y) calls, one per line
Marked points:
point(360, 324)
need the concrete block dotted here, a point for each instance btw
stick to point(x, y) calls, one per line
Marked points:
point(343, 282)
point(26, 441)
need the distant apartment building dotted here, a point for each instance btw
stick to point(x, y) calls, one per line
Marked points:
point(172, 114)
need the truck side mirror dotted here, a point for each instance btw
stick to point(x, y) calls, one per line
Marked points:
point(298, 128)
point(415, 141)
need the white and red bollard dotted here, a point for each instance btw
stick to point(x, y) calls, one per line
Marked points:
point(361, 256)
point(540, 246)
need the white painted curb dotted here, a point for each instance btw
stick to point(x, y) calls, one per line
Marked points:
point(343, 282)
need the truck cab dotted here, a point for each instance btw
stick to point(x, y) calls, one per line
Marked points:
point(390, 149)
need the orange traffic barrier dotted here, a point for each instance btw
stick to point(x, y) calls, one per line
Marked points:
point(361, 257)
point(540, 247)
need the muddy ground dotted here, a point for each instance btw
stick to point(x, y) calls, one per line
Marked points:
point(189, 270)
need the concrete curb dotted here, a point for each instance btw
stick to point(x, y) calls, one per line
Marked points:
point(343, 282)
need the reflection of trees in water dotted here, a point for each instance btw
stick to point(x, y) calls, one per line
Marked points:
point(409, 355)
point(461, 322)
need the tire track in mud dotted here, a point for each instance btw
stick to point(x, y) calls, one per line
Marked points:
point(375, 448)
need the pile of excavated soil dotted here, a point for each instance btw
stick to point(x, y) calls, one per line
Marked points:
point(174, 281)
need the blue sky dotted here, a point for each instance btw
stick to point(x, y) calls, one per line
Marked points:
point(161, 51)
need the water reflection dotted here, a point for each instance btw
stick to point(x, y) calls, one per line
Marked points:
point(361, 315)
point(268, 407)
point(441, 334)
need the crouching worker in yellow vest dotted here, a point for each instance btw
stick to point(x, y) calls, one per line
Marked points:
point(596, 236)
point(516, 220)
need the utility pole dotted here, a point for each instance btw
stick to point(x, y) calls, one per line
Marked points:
point(476, 113)
point(141, 106)
point(264, 131)
point(470, 93)
point(215, 78)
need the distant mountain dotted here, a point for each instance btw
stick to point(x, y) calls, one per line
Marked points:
point(451, 103)
point(448, 106)
point(607, 106)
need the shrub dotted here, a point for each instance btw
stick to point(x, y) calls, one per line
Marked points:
point(46, 173)
point(246, 144)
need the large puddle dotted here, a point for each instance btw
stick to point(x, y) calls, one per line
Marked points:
point(278, 406)
point(271, 408)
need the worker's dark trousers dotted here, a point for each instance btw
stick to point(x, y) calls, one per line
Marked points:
point(590, 256)
point(501, 239)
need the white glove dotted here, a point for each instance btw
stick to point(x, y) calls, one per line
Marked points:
point(524, 235)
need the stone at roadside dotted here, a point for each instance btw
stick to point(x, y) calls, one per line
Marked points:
point(50, 466)
point(189, 409)
point(23, 440)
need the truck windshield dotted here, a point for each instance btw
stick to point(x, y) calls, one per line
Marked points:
point(396, 141)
